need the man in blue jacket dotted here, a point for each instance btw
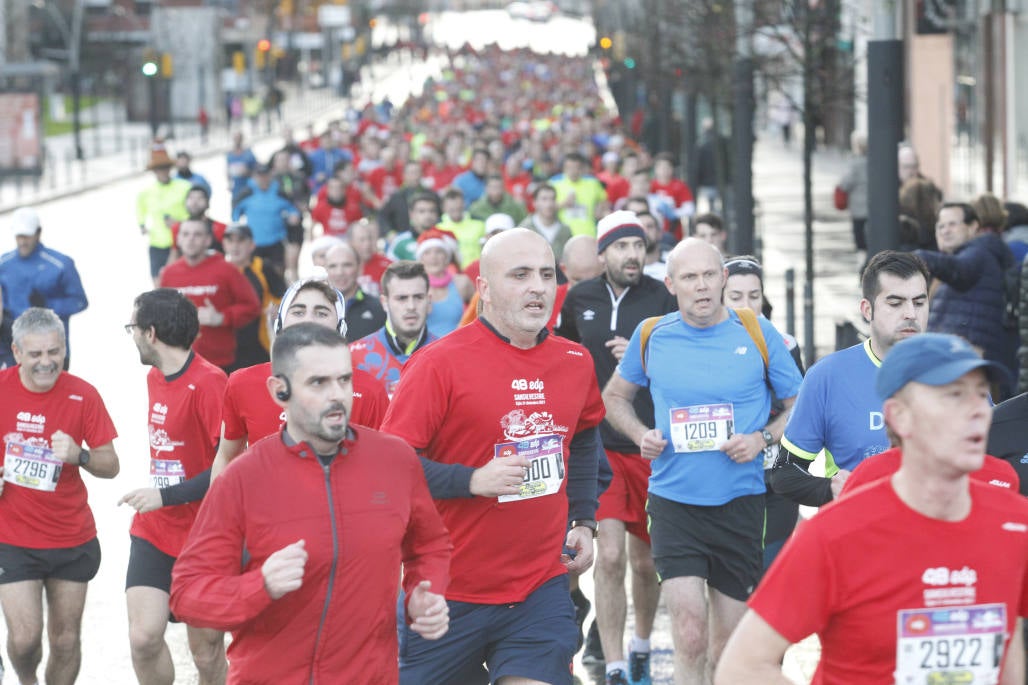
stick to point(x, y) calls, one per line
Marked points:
point(36, 276)
point(271, 216)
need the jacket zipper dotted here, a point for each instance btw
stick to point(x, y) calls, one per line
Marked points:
point(332, 570)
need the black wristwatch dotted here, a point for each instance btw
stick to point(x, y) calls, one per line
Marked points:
point(83, 457)
point(768, 438)
point(587, 523)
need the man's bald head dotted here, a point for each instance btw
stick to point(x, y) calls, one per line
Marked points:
point(518, 283)
point(691, 248)
point(579, 260)
point(497, 251)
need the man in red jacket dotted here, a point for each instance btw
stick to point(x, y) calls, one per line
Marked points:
point(324, 514)
point(223, 297)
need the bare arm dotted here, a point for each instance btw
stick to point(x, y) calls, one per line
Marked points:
point(617, 398)
point(1014, 664)
point(103, 461)
point(753, 655)
point(227, 451)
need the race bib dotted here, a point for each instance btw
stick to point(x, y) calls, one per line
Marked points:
point(165, 472)
point(771, 453)
point(545, 455)
point(951, 646)
point(238, 169)
point(701, 428)
point(31, 466)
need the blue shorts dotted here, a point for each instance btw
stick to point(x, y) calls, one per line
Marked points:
point(535, 639)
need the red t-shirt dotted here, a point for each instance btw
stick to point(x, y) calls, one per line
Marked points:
point(868, 562)
point(617, 186)
point(517, 186)
point(336, 220)
point(184, 428)
point(42, 519)
point(994, 471)
point(227, 289)
point(370, 279)
point(466, 398)
point(250, 414)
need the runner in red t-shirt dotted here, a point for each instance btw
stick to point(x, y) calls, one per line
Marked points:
point(249, 413)
point(505, 452)
point(340, 207)
point(994, 471)
point(185, 392)
point(47, 533)
point(917, 578)
point(224, 299)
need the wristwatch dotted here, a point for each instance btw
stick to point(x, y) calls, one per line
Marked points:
point(83, 457)
point(586, 523)
point(768, 438)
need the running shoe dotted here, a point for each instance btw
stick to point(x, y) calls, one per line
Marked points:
point(593, 653)
point(617, 678)
point(639, 668)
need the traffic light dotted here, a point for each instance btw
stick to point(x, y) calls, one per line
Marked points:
point(261, 56)
point(150, 66)
point(629, 63)
point(167, 66)
point(606, 43)
point(239, 62)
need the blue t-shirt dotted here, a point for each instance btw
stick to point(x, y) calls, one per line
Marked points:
point(689, 366)
point(838, 410)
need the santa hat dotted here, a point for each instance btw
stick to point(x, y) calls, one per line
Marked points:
point(436, 237)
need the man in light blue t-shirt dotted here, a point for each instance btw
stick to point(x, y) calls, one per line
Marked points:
point(838, 409)
point(711, 388)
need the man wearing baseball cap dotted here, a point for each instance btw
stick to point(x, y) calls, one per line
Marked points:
point(918, 577)
point(601, 314)
point(34, 275)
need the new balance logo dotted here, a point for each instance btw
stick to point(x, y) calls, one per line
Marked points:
point(1015, 527)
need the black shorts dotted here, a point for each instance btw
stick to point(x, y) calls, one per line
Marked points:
point(724, 544)
point(158, 259)
point(78, 564)
point(294, 234)
point(148, 566)
point(274, 254)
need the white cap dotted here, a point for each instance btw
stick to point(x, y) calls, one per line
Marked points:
point(495, 223)
point(25, 221)
point(617, 225)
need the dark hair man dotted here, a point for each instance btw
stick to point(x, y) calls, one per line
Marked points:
point(407, 303)
point(185, 393)
point(325, 515)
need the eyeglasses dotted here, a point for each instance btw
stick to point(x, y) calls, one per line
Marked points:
point(130, 326)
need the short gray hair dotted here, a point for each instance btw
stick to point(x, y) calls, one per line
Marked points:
point(35, 321)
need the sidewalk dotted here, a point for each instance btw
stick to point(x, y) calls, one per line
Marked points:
point(778, 189)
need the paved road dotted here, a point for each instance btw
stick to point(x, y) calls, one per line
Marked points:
point(98, 228)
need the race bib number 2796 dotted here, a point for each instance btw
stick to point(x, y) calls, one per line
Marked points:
point(31, 466)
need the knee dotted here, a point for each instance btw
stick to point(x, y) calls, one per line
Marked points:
point(64, 641)
point(145, 641)
point(691, 638)
point(610, 562)
point(643, 567)
point(208, 654)
point(25, 641)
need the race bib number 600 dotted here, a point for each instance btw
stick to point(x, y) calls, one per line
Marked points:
point(545, 474)
point(701, 428)
point(950, 646)
point(31, 466)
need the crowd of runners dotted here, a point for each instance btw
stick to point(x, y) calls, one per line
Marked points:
point(446, 356)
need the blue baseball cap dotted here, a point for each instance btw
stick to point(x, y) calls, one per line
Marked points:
point(932, 359)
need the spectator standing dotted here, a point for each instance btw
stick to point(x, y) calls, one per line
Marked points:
point(854, 184)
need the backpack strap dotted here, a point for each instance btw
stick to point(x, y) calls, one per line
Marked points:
point(751, 323)
point(644, 337)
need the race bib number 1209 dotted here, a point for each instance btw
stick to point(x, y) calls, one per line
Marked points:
point(950, 646)
point(31, 466)
point(701, 428)
point(545, 455)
